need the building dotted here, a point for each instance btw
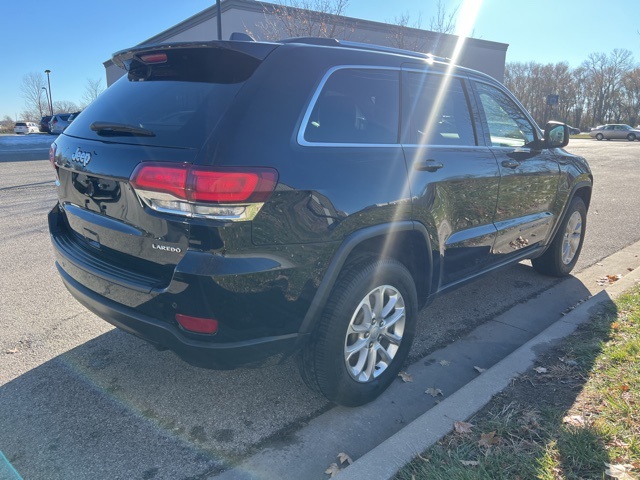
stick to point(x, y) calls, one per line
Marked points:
point(260, 19)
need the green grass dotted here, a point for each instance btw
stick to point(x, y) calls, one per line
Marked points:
point(565, 423)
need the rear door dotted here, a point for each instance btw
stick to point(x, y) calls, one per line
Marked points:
point(454, 181)
point(525, 213)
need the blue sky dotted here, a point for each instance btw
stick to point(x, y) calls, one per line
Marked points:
point(73, 38)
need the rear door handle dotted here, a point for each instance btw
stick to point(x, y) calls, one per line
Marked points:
point(427, 165)
point(510, 163)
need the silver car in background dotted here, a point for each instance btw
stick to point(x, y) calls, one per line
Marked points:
point(58, 123)
point(616, 130)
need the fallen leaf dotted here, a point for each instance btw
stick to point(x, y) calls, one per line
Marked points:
point(608, 279)
point(630, 269)
point(575, 420)
point(568, 361)
point(405, 377)
point(444, 363)
point(343, 457)
point(619, 443)
point(462, 427)
point(488, 439)
point(479, 370)
point(12, 351)
point(469, 463)
point(540, 370)
point(619, 471)
point(624, 388)
point(333, 470)
point(434, 392)
point(423, 459)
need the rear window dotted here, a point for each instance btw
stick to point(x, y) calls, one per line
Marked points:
point(179, 100)
point(21, 124)
point(356, 106)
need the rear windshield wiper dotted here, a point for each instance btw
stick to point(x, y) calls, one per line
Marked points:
point(115, 129)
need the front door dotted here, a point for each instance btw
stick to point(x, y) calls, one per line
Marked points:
point(529, 175)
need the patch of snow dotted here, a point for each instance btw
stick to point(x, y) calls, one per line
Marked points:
point(32, 140)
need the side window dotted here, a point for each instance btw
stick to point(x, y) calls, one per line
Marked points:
point(435, 111)
point(356, 106)
point(508, 125)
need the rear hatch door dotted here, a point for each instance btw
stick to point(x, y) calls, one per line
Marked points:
point(163, 110)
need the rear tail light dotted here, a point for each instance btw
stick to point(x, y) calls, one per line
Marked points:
point(154, 58)
point(197, 324)
point(52, 154)
point(52, 159)
point(193, 191)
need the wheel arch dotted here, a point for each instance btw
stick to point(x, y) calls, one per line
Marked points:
point(581, 189)
point(407, 242)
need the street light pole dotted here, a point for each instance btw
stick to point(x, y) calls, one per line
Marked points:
point(219, 18)
point(46, 95)
point(47, 71)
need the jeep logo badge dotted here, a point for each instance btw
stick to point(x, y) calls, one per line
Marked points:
point(83, 158)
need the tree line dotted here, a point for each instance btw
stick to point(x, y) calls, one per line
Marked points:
point(605, 88)
point(36, 105)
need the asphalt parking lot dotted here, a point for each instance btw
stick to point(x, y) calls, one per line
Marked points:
point(79, 399)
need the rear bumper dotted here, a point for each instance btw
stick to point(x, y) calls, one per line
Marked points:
point(200, 353)
point(254, 327)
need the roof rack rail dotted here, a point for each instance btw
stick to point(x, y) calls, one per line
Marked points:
point(327, 42)
point(382, 48)
point(333, 42)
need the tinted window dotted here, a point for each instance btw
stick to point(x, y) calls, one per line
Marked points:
point(356, 106)
point(508, 125)
point(435, 111)
point(180, 101)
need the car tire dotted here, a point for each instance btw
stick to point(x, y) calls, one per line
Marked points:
point(631, 137)
point(561, 256)
point(599, 137)
point(354, 354)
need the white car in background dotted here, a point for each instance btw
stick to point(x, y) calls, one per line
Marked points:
point(26, 128)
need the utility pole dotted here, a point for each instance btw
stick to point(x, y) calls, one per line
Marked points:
point(47, 71)
point(219, 15)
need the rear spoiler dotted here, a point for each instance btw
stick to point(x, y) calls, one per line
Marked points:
point(256, 50)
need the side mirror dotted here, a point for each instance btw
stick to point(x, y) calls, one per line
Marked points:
point(556, 135)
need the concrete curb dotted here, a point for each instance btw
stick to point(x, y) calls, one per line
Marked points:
point(384, 461)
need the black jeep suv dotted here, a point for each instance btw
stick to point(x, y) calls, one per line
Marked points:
point(236, 201)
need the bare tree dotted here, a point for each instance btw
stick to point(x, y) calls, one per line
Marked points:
point(402, 34)
point(303, 18)
point(631, 96)
point(7, 124)
point(604, 88)
point(606, 73)
point(65, 106)
point(92, 89)
point(35, 98)
point(444, 21)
